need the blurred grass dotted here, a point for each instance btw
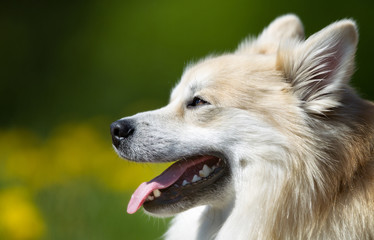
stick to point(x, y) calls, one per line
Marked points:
point(69, 185)
point(82, 210)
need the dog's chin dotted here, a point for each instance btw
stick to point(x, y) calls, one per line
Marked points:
point(188, 183)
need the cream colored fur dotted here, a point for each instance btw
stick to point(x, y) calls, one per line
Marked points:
point(298, 141)
point(312, 178)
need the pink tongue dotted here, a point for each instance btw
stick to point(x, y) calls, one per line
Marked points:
point(164, 180)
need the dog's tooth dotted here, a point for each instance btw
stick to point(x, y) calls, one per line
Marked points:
point(156, 193)
point(176, 185)
point(207, 170)
point(202, 173)
point(196, 178)
point(214, 167)
point(150, 198)
point(185, 182)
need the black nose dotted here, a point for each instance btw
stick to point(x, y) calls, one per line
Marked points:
point(120, 130)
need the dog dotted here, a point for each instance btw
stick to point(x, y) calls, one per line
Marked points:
point(269, 142)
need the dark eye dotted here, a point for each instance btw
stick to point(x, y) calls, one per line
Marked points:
point(196, 101)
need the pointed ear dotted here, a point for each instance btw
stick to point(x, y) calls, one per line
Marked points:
point(283, 28)
point(319, 68)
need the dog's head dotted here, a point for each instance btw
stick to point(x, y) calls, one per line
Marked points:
point(235, 112)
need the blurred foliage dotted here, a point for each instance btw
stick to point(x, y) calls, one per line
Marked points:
point(69, 68)
point(69, 60)
point(73, 180)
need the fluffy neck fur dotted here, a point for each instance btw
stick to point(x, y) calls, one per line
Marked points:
point(325, 193)
point(338, 189)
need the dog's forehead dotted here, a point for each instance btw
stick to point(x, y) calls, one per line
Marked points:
point(195, 78)
point(226, 70)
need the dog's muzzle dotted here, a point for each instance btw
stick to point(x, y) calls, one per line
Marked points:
point(121, 130)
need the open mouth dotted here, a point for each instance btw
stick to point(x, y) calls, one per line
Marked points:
point(182, 181)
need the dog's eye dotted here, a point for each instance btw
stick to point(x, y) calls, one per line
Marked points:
point(196, 101)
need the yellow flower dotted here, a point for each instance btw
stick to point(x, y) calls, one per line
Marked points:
point(19, 218)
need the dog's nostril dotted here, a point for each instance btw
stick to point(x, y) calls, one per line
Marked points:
point(120, 130)
point(116, 132)
point(126, 132)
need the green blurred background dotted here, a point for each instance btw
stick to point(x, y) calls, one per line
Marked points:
point(70, 68)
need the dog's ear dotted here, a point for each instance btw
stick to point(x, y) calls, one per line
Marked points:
point(319, 67)
point(283, 28)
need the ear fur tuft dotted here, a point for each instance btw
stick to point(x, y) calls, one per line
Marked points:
point(319, 67)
